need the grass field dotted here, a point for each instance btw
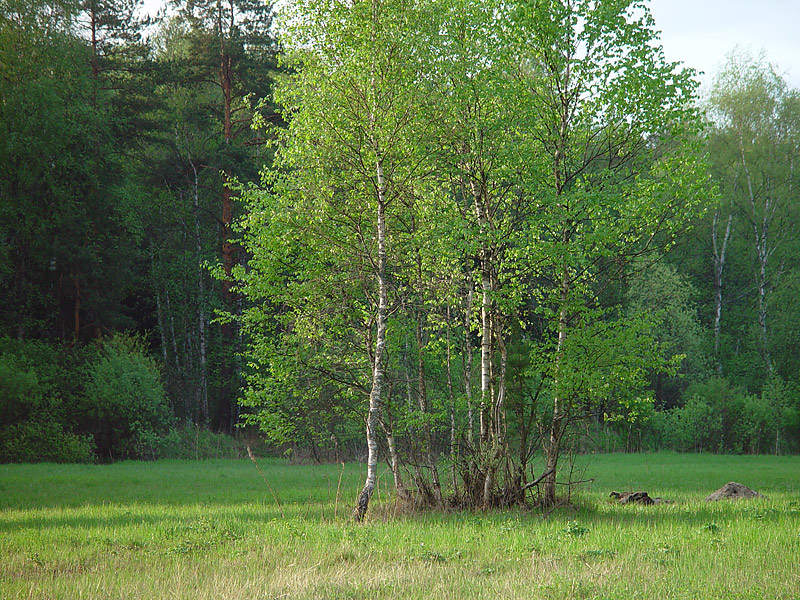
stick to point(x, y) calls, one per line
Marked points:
point(212, 529)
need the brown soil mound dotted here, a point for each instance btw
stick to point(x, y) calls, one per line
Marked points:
point(733, 491)
point(632, 498)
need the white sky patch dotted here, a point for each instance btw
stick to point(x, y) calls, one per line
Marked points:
point(701, 33)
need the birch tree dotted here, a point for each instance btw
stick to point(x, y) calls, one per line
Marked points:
point(472, 130)
point(522, 153)
point(345, 161)
point(757, 141)
point(613, 125)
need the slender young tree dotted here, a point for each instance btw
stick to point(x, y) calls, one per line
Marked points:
point(345, 161)
point(231, 49)
point(615, 132)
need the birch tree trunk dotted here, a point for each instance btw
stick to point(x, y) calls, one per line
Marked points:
point(468, 364)
point(394, 459)
point(556, 430)
point(719, 251)
point(452, 401)
point(761, 230)
point(159, 309)
point(424, 408)
point(373, 417)
point(486, 315)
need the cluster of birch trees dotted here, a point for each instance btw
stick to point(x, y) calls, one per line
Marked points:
point(460, 187)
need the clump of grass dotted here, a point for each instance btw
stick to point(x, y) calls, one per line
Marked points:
point(575, 529)
point(711, 527)
point(598, 553)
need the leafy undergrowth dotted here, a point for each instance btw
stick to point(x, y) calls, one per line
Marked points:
point(213, 529)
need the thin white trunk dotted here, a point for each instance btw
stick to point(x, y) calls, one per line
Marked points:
point(761, 239)
point(176, 356)
point(422, 393)
point(719, 250)
point(498, 410)
point(394, 461)
point(373, 417)
point(188, 411)
point(159, 311)
point(452, 398)
point(486, 358)
point(486, 316)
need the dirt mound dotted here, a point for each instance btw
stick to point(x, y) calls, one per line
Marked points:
point(733, 491)
point(638, 498)
point(633, 498)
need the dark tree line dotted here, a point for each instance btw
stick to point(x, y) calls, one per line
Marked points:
point(119, 139)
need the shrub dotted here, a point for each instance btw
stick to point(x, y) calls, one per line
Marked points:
point(20, 390)
point(124, 400)
point(720, 417)
point(38, 411)
point(43, 441)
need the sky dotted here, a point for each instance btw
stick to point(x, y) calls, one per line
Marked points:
point(700, 33)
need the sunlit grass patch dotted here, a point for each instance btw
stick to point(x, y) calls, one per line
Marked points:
point(213, 530)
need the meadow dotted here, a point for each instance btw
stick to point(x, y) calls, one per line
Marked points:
point(213, 529)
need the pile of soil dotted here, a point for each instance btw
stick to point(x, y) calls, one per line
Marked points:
point(733, 491)
point(633, 498)
point(638, 498)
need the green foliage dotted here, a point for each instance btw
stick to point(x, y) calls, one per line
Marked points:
point(111, 174)
point(720, 417)
point(68, 260)
point(57, 403)
point(20, 390)
point(124, 397)
point(670, 299)
point(43, 440)
point(38, 404)
point(754, 144)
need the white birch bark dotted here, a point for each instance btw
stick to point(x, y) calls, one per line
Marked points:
point(373, 417)
point(719, 252)
point(486, 316)
point(761, 229)
point(452, 400)
point(468, 364)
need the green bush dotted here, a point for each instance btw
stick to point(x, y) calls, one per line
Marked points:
point(21, 392)
point(124, 399)
point(38, 414)
point(43, 441)
point(57, 403)
point(720, 417)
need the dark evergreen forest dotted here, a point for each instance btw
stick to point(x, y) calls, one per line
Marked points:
point(131, 175)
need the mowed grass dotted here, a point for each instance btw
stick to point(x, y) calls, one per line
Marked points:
point(180, 529)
